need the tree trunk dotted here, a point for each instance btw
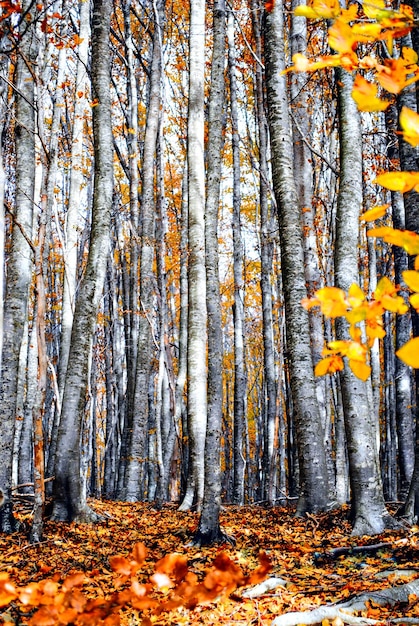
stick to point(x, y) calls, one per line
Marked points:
point(240, 391)
point(136, 470)
point(197, 317)
point(69, 494)
point(209, 523)
point(266, 255)
point(369, 514)
point(20, 262)
point(313, 494)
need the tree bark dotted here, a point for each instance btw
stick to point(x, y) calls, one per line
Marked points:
point(197, 315)
point(313, 494)
point(369, 514)
point(136, 470)
point(240, 391)
point(20, 262)
point(69, 494)
point(209, 530)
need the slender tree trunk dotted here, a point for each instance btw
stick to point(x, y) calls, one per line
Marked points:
point(197, 317)
point(209, 524)
point(69, 494)
point(20, 262)
point(311, 454)
point(369, 514)
point(266, 254)
point(240, 391)
point(136, 471)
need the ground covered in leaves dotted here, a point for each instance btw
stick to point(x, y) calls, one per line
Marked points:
point(300, 552)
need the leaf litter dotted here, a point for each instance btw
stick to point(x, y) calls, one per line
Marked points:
point(138, 567)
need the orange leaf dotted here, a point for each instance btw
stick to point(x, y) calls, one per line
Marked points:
point(269, 5)
point(398, 181)
point(360, 369)
point(409, 353)
point(329, 365)
point(411, 278)
point(7, 590)
point(139, 553)
point(409, 121)
point(375, 213)
point(402, 238)
point(340, 37)
point(365, 95)
point(326, 9)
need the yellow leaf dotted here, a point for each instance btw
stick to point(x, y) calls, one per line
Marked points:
point(414, 301)
point(340, 37)
point(332, 301)
point(384, 287)
point(411, 278)
point(394, 304)
point(375, 213)
point(339, 346)
point(326, 9)
point(409, 121)
point(302, 64)
point(409, 353)
point(375, 331)
point(403, 238)
point(360, 369)
point(329, 365)
point(365, 95)
point(398, 181)
point(375, 10)
point(356, 351)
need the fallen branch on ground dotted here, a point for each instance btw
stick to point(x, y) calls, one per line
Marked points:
point(345, 610)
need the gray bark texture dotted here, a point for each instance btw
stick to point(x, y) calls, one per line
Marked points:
point(267, 225)
point(20, 261)
point(240, 384)
point(312, 460)
point(197, 314)
point(136, 470)
point(369, 514)
point(209, 523)
point(69, 493)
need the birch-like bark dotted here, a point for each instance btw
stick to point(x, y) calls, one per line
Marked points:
point(313, 495)
point(197, 314)
point(77, 180)
point(136, 470)
point(69, 492)
point(369, 514)
point(209, 523)
point(403, 374)
point(240, 391)
point(20, 262)
point(132, 304)
point(266, 256)
point(303, 172)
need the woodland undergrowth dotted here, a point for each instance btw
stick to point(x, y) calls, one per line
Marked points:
point(138, 567)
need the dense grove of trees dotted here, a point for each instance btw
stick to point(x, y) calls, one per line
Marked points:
point(171, 196)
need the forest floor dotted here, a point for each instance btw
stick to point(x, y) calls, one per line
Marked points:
point(300, 552)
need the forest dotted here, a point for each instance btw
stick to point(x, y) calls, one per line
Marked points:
point(210, 242)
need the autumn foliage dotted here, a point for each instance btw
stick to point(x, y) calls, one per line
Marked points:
point(360, 24)
point(67, 604)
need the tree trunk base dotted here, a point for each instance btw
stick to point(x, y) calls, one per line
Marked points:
point(374, 524)
point(212, 537)
point(8, 524)
point(85, 515)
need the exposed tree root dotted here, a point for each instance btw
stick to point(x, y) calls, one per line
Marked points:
point(211, 538)
point(345, 610)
